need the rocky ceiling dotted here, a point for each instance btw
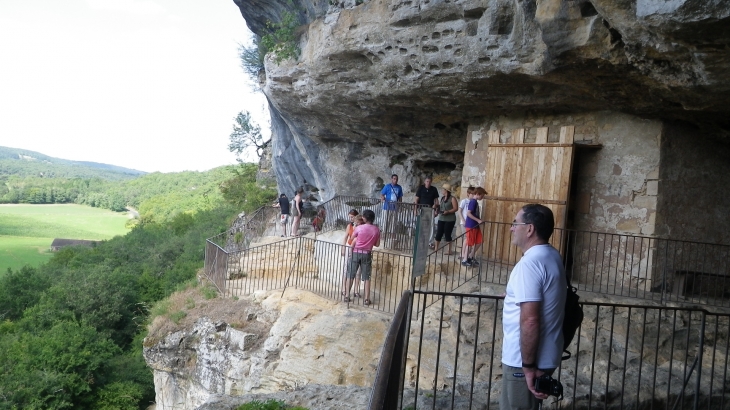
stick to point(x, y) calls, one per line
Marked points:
point(386, 83)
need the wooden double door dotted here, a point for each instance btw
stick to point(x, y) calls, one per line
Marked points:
point(519, 173)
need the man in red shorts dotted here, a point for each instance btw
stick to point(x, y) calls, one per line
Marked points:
point(473, 231)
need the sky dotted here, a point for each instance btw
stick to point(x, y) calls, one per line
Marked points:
point(152, 85)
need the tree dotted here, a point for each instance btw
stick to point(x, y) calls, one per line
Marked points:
point(242, 190)
point(252, 58)
point(246, 134)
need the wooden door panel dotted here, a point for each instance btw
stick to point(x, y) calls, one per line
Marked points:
point(519, 173)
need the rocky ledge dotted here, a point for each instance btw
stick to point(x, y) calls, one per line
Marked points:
point(223, 352)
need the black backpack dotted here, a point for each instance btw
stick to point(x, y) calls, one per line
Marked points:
point(572, 320)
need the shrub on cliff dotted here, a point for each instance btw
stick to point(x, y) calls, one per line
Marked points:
point(270, 404)
point(281, 39)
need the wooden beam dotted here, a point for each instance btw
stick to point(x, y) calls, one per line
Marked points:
point(526, 200)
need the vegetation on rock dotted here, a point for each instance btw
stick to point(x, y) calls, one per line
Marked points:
point(281, 38)
point(268, 405)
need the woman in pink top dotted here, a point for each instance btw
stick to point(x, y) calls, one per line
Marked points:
point(366, 237)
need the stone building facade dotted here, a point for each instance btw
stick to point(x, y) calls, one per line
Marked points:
point(634, 177)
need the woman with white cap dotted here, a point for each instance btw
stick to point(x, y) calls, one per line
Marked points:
point(448, 207)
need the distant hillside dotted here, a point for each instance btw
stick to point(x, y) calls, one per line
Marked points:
point(24, 163)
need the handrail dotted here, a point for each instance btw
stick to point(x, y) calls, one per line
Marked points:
point(633, 266)
point(386, 393)
point(653, 365)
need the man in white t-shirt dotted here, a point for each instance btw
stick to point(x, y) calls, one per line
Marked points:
point(534, 307)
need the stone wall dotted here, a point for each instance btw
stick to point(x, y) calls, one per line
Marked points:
point(694, 186)
point(619, 182)
point(614, 187)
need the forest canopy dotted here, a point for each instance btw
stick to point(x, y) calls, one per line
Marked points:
point(154, 195)
point(71, 330)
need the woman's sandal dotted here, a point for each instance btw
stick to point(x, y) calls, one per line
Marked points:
point(367, 302)
point(357, 295)
point(346, 299)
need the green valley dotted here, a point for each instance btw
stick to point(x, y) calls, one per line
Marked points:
point(72, 321)
point(26, 231)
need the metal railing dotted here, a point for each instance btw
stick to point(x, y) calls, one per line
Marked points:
point(663, 270)
point(254, 226)
point(645, 268)
point(445, 272)
point(397, 220)
point(306, 263)
point(631, 266)
point(623, 357)
point(389, 375)
point(216, 265)
point(260, 222)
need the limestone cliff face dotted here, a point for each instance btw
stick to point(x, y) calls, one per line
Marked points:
point(386, 86)
point(269, 342)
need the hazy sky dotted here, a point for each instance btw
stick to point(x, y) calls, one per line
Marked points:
point(152, 85)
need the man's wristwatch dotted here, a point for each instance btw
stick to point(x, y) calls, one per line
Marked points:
point(529, 365)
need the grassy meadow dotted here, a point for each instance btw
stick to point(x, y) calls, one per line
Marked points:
point(26, 231)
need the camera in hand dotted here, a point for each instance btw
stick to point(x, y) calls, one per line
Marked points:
point(548, 385)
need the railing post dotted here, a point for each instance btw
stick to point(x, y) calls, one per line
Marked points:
point(387, 392)
point(700, 353)
point(298, 265)
point(664, 265)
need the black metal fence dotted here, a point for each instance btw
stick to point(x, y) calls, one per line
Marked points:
point(663, 270)
point(254, 226)
point(397, 220)
point(623, 357)
point(632, 266)
point(305, 263)
point(216, 264)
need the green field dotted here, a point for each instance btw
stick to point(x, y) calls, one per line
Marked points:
point(26, 231)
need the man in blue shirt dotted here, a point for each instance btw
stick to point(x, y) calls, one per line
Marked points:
point(391, 194)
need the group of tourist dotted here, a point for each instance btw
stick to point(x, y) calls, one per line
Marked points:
point(361, 236)
point(296, 212)
point(445, 211)
point(534, 301)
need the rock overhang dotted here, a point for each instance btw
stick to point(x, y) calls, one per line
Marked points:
point(408, 78)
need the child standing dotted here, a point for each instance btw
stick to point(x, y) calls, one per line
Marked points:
point(462, 208)
point(473, 231)
point(346, 250)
